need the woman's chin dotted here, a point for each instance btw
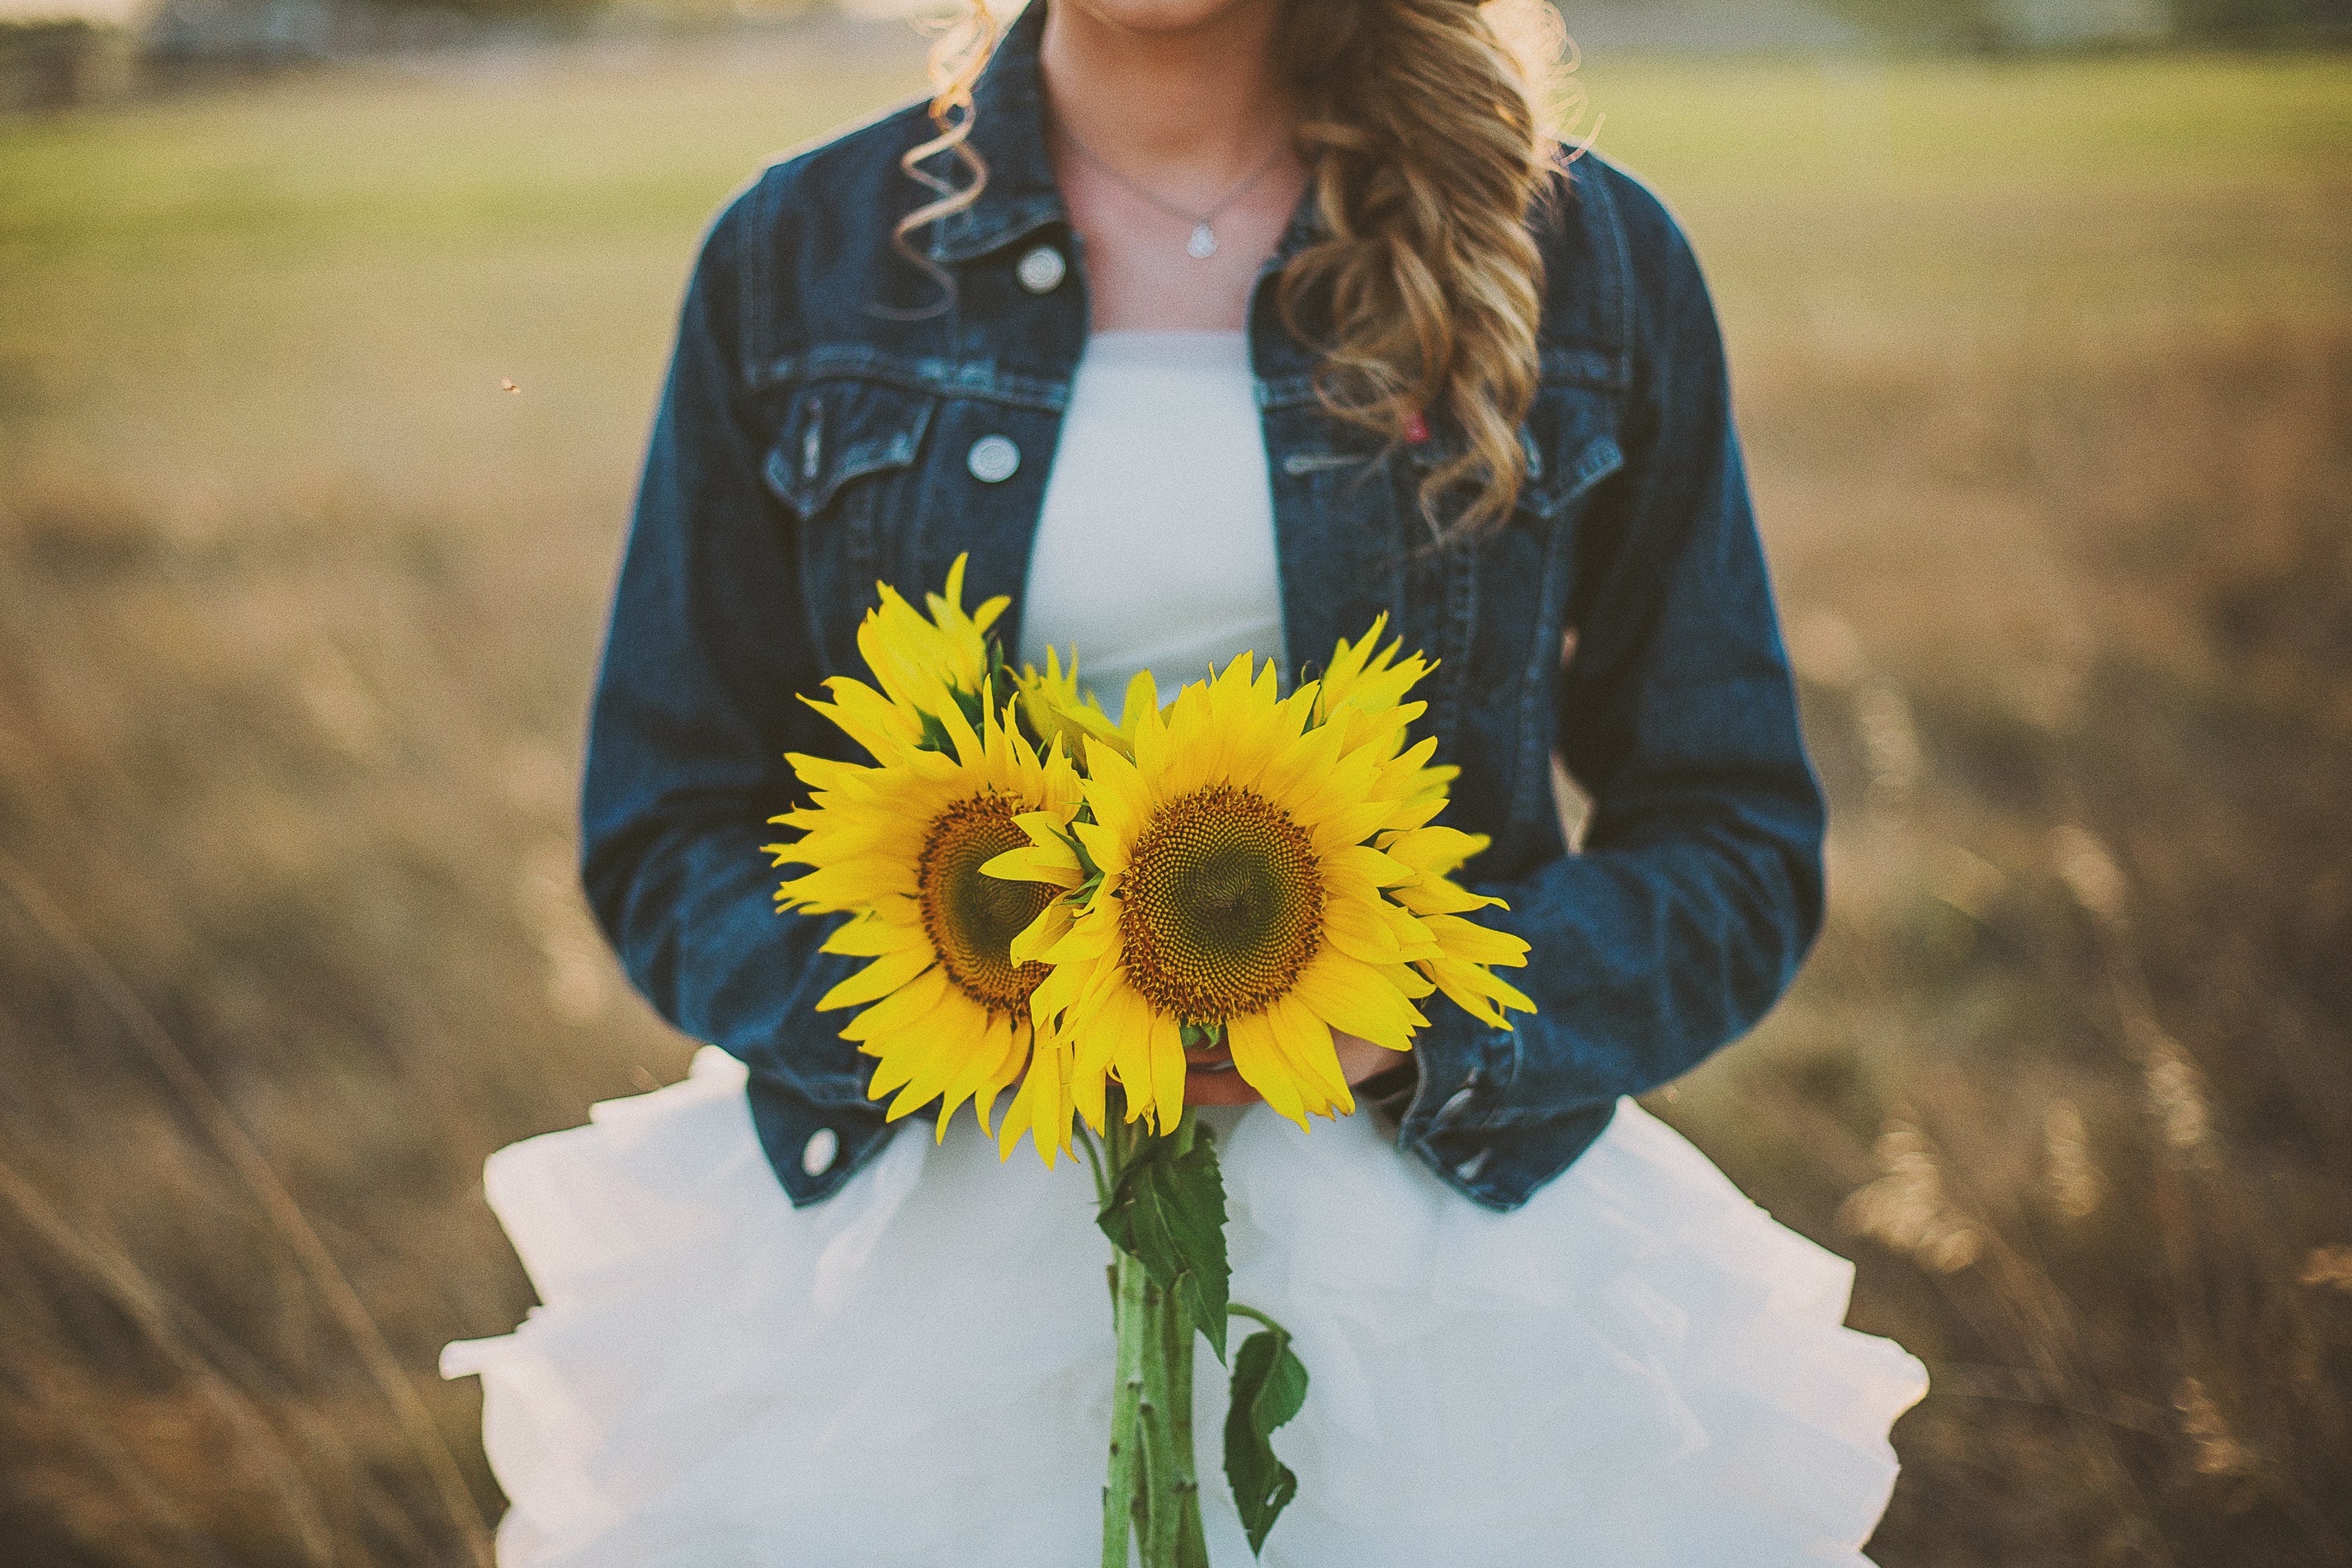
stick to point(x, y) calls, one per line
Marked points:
point(1160, 16)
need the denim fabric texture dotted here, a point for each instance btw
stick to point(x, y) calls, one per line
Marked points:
point(833, 417)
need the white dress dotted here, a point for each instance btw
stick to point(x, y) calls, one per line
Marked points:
point(1637, 1367)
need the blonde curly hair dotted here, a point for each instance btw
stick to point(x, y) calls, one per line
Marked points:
point(1426, 130)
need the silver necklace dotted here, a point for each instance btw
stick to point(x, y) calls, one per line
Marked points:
point(1202, 245)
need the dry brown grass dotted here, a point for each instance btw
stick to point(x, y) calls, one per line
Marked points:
point(297, 615)
point(2068, 1074)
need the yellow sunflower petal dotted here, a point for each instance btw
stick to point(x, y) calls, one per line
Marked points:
point(879, 978)
point(1168, 1068)
point(1438, 896)
point(1355, 996)
point(1121, 802)
point(1409, 980)
point(1378, 869)
point(1262, 1066)
point(907, 1006)
point(1306, 1042)
point(939, 1055)
point(1126, 1020)
point(870, 935)
point(1433, 851)
point(1053, 924)
point(1477, 989)
point(1031, 864)
point(1017, 1115)
point(1466, 938)
point(1356, 929)
point(993, 1064)
point(1142, 698)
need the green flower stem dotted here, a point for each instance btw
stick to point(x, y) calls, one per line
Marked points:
point(1236, 1309)
point(1191, 1545)
point(1156, 1524)
point(1152, 1492)
point(1094, 1160)
point(1122, 1489)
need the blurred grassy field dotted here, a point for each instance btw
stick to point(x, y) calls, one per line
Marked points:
point(2046, 370)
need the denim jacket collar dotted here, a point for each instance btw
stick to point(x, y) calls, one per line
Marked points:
point(1018, 196)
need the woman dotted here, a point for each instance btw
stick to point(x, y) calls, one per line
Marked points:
point(1204, 326)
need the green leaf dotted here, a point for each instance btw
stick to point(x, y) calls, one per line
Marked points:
point(999, 680)
point(971, 704)
point(1169, 1210)
point(1269, 1387)
point(1092, 872)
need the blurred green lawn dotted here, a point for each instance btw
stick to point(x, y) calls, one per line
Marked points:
point(2046, 372)
point(219, 299)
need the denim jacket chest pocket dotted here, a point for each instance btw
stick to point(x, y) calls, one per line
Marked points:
point(843, 461)
point(1496, 607)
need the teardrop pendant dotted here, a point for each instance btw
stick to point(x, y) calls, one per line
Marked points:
point(1202, 245)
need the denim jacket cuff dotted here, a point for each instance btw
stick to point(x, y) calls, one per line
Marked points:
point(815, 1146)
point(1466, 1069)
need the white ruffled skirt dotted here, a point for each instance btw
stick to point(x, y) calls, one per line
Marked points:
point(1638, 1367)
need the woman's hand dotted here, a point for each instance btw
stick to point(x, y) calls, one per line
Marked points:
point(1220, 1085)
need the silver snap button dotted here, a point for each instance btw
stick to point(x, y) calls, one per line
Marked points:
point(1042, 270)
point(822, 1148)
point(1459, 1099)
point(993, 460)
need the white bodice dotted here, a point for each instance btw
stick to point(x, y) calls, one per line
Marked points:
point(1156, 545)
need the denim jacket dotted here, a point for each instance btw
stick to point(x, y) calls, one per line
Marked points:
point(822, 429)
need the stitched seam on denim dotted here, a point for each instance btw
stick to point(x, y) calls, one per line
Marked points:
point(1531, 757)
point(969, 235)
point(1559, 366)
point(947, 378)
point(1601, 456)
point(1503, 1118)
point(755, 258)
point(1618, 283)
point(809, 494)
point(1461, 590)
point(1287, 392)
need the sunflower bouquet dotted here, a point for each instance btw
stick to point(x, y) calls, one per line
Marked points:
point(1072, 909)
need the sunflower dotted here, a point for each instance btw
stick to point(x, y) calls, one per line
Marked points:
point(899, 845)
point(1226, 879)
point(926, 667)
point(1464, 966)
point(922, 662)
point(1053, 705)
point(1361, 688)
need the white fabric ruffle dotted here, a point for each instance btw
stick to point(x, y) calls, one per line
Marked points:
point(1638, 1367)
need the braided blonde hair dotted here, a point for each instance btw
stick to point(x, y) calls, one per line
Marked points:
point(1424, 126)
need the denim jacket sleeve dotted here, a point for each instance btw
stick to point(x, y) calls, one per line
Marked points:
point(695, 708)
point(1699, 887)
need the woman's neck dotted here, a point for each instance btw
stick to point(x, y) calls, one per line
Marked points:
point(1191, 109)
point(1171, 146)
